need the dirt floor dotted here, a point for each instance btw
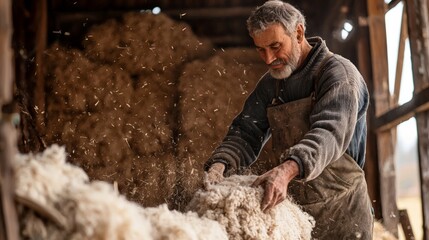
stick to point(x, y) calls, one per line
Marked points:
point(145, 103)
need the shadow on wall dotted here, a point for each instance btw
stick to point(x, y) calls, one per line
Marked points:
point(145, 103)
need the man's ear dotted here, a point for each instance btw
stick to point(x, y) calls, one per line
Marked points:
point(300, 32)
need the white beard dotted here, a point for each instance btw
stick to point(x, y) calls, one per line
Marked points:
point(291, 66)
point(281, 73)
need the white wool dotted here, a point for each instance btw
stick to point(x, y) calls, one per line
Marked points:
point(44, 176)
point(100, 213)
point(381, 233)
point(95, 210)
point(174, 225)
point(236, 205)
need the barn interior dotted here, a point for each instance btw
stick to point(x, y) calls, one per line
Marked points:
point(141, 92)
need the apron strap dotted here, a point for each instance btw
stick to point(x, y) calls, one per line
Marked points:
point(276, 100)
point(318, 75)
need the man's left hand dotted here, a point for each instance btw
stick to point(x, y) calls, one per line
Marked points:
point(275, 183)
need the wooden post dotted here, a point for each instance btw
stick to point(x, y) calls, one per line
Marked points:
point(8, 218)
point(406, 224)
point(418, 30)
point(400, 60)
point(381, 97)
point(40, 45)
point(422, 120)
point(364, 64)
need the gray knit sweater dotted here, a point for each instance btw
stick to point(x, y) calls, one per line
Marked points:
point(338, 119)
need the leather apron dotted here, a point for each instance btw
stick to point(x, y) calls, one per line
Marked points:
point(338, 198)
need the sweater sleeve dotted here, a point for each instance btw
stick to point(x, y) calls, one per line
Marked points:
point(332, 120)
point(248, 132)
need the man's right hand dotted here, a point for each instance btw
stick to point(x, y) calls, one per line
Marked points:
point(275, 183)
point(214, 175)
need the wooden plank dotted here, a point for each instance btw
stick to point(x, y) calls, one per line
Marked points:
point(6, 54)
point(418, 26)
point(406, 224)
point(393, 4)
point(381, 98)
point(8, 217)
point(418, 33)
point(392, 118)
point(203, 13)
point(23, 36)
point(215, 23)
point(422, 120)
point(363, 53)
point(41, 18)
point(400, 60)
point(185, 14)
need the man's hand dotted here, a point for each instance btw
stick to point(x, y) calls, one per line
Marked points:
point(214, 174)
point(275, 183)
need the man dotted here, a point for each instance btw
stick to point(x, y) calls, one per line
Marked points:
point(313, 104)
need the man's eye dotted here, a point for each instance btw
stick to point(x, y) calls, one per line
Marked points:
point(259, 49)
point(275, 47)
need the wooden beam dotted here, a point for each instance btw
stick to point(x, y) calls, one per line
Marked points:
point(8, 217)
point(392, 118)
point(364, 65)
point(417, 30)
point(381, 96)
point(393, 4)
point(406, 224)
point(192, 16)
point(185, 14)
point(422, 120)
point(400, 60)
point(6, 53)
point(206, 13)
point(418, 27)
point(41, 16)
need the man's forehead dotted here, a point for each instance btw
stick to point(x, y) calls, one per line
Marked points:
point(271, 35)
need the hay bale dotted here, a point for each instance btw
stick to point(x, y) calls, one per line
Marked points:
point(151, 120)
point(134, 77)
point(130, 79)
point(212, 93)
point(98, 140)
point(146, 43)
point(151, 179)
point(104, 146)
point(236, 205)
point(76, 84)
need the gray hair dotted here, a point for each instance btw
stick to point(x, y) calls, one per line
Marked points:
point(275, 11)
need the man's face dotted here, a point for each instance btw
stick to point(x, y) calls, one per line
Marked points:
point(278, 50)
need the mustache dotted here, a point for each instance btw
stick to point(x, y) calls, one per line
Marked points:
point(277, 61)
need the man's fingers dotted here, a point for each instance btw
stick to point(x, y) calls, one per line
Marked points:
point(206, 181)
point(211, 178)
point(277, 197)
point(268, 198)
point(273, 201)
point(257, 182)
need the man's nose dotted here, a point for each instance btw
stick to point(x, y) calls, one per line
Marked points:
point(269, 57)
